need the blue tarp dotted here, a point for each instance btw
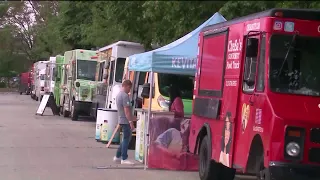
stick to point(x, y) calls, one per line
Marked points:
point(178, 57)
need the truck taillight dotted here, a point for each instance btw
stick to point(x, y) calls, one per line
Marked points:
point(294, 143)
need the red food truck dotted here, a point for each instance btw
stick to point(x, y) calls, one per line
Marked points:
point(256, 107)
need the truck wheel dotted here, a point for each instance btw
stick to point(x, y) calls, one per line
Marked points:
point(65, 113)
point(207, 167)
point(74, 113)
point(61, 110)
point(20, 93)
point(262, 172)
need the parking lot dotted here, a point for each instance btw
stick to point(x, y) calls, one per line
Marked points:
point(51, 147)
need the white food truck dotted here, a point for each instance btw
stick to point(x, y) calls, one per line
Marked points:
point(49, 80)
point(118, 52)
point(40, 75)
point(110, 72)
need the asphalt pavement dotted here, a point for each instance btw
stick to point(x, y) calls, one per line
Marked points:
point(51, 147)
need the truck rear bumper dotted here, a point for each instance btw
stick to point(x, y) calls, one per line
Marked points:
point(280, 171)
point(83, 107)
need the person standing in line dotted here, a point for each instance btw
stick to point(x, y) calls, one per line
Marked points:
point(125, 121)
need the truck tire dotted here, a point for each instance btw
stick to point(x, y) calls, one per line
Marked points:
point(65, 113)
point(208, 169)
point(74, 113)
point(20, 93)
point(262, 173)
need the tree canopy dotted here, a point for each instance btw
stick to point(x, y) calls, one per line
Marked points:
point(34, 30)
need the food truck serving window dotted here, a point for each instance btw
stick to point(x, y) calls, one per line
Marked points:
point(298, 73)
point(185, 84)
point(119, 69)
point(212, 64)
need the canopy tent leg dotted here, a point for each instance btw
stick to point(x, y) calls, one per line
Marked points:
point(146, 126)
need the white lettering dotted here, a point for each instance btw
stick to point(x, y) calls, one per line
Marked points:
point(257, 129)
point(234, 55)
point(233, 65)
point(229, 65)
point(253, 26)
point(183, 63)
point(231, 83)
point(234, 46)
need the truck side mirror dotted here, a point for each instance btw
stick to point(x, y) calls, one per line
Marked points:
point(249, 82)
point(252, 47)
point(146, 90)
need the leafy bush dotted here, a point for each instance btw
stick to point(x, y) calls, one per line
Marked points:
point(2, 84)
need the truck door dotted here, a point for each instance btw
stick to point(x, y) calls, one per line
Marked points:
point(138, 81)
point(72, 77)
point(110, 83)
point(249, 107)
point(64, 79)
point(101, 89)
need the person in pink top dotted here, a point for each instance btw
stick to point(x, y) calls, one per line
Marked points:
point(176, 104)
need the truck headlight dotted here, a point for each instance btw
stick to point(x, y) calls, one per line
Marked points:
point(293, 149)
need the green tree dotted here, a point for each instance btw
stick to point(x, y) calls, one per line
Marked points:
point(173, 19)
point(48, 41)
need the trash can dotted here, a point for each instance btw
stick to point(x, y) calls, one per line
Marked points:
point(99, 122)
point(108, 119)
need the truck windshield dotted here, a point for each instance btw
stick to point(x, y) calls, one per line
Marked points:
point(299, 73)
point(185, 83)
point(120, 69)
point(86, 69)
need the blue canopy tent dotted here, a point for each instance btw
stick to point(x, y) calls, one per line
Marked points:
point(178, 57)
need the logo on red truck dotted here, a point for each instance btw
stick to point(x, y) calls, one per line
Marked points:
point(234, 49)
point(253, 26)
